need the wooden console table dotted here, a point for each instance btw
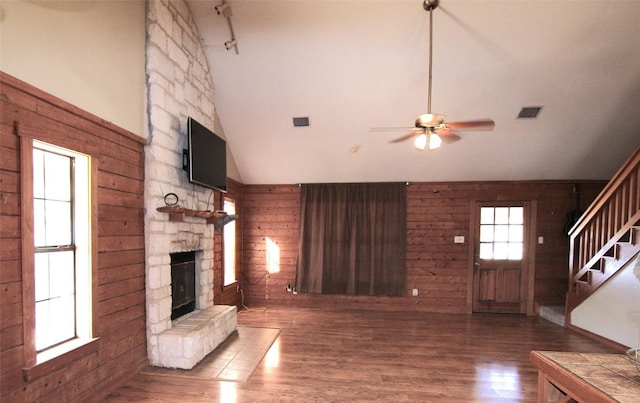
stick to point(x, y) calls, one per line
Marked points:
point(585, 377)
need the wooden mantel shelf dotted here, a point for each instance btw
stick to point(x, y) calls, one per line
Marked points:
point(177, 214)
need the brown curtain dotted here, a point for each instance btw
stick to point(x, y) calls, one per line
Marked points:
point(352, 239)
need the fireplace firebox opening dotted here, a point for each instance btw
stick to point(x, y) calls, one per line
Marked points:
point(183, 283)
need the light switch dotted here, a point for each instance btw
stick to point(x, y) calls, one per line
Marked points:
point(540, 240)
point(414, 292)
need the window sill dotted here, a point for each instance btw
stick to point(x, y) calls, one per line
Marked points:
point(60, 356)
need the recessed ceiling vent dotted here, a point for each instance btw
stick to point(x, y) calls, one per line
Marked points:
point(301, 121)
point(529, 112)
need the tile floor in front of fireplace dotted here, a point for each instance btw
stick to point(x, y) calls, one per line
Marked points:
point(233, 360)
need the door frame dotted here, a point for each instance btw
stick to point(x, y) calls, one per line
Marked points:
point(529, 274)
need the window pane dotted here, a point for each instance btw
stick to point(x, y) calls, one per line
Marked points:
point(61, 273)
point(501, 233)
point(502, 215)
point(486, 251)
point(486, 215)
point(41, 264)
point(58, 223)
point(515, 233)
point(39, 223)
point(516, 215)
point(61, 317)
point(38, 173)
point(57, 177)
point(42, 324)
point(500, 250)
point(515, 251)
point(486, 233)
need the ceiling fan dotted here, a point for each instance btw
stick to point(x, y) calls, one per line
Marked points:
point(431, 129)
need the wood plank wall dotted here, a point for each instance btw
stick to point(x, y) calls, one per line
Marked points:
point(435, 265)
point(120, 322)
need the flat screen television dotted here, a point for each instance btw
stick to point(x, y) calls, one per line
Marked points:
point(207, 157)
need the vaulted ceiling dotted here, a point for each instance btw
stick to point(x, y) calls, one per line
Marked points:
point(350, 66)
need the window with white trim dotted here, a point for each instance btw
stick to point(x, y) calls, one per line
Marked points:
point(62, 247)
point(229, 241)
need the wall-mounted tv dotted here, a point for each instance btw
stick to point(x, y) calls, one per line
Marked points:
point(207, 157)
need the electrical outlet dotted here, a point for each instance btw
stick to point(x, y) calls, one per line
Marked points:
point(414, 292)
point(458, 239)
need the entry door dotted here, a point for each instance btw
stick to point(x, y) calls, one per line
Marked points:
point(500, 266)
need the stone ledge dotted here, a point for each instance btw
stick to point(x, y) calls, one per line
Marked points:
point(195, 335)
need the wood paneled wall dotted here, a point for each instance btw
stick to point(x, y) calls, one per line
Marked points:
point(438, 268)
point(120, 321)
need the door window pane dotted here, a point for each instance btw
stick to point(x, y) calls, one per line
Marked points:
point(516, 215)
point(486, 251)
point(486, 215)
point(501, 233)
point(500, 250)
point(502, 215)
point(486, 233)
point(515, 233)
point(515, 251)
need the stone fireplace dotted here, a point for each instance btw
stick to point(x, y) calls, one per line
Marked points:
point(179, 85)
point(183, 342)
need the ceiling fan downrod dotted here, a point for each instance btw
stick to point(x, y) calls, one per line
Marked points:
point(430, 5)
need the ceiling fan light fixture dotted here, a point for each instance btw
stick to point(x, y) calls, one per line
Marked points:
point(434, 141)
point(421, 142)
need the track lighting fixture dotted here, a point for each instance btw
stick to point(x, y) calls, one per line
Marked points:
point(230, 44)
point(225, 10)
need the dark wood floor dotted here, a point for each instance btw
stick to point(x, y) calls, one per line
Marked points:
point(344, 355)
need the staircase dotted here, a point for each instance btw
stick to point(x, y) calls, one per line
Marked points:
point(553, 313)
point(607, 235)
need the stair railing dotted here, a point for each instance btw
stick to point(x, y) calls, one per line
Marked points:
point(613, 219)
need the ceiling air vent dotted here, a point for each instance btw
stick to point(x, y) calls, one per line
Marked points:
point(529, 112)
point(300, 122)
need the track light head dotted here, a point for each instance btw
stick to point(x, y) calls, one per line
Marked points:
point(230, 44)
point(220, 8)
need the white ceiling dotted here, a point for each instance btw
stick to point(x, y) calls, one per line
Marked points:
point(352, 65)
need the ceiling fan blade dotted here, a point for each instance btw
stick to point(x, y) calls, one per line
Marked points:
point(447, 136)
point(406, 137)
point(487, 124)
point(390, 129)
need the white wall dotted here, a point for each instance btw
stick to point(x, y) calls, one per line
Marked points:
point(88, 53)
point(613, 311)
